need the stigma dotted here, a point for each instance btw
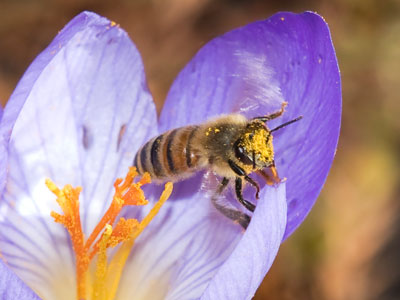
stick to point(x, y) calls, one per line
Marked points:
point(97, 277)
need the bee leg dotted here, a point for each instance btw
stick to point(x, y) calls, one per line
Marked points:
point(242, 219)
point(273, 115)
point(232, 214)
point(222, 186)
point(238, 185)
point(239, 195)
point(255, 184)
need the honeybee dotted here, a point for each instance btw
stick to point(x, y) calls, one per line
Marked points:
point(230, 145)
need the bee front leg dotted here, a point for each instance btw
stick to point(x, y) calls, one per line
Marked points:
point(273, 115)
point(239, 185)
point(239, 195)
point(255, 184)
point(233, 214)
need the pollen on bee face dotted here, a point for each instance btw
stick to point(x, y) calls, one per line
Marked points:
point(107, 233)
point(256, 141)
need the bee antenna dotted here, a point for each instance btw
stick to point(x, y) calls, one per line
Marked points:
point(287, 123)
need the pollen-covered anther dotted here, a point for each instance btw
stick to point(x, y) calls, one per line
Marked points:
point(134, 196)
point(52, 187)
point(126, 193)
point(123, 231)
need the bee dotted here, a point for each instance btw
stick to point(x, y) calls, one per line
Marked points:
point(230, 145)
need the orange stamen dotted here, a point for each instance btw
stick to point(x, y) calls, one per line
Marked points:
point(68, 199)
point(125, 231)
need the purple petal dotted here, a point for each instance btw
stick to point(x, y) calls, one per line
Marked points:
point(78, 116)
point(252, 70)
point(11, 287)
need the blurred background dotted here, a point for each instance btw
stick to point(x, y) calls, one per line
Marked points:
point(349, 246)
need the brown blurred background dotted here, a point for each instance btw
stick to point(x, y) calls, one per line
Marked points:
point(349, 246)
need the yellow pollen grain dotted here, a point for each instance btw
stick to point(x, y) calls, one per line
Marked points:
point(211, 129)
point(282, 19)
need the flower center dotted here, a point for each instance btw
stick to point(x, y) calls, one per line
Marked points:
point(103, 282)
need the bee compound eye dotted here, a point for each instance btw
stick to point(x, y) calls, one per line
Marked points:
point(242, 155)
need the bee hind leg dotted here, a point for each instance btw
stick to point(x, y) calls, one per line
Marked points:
point(237, 216)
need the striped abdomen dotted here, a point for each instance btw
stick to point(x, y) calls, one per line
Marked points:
point(170, 155)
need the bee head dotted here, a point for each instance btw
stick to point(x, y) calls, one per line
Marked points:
point(254, 146)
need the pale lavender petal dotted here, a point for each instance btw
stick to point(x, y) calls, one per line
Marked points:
point(252, 70)
point(11, 287)
point(78, 116)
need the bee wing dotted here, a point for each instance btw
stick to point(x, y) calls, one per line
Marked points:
point(211, 183)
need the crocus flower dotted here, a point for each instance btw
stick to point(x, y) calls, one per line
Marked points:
point(83, 109)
